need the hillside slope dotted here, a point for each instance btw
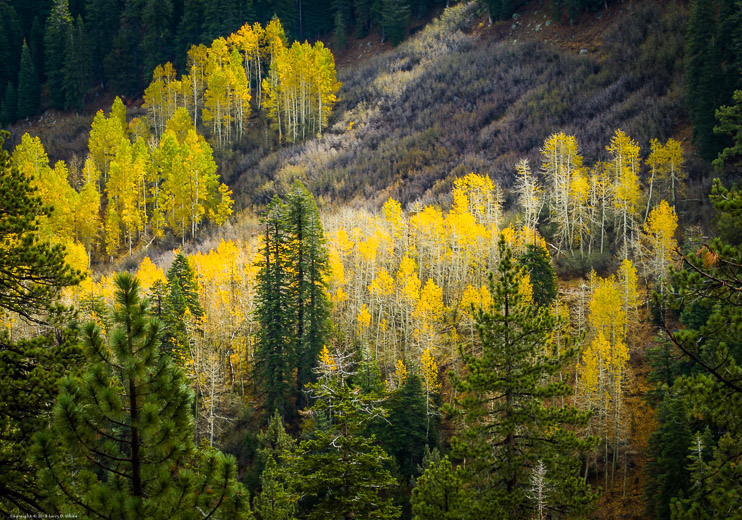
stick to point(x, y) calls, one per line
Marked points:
point(460, 96)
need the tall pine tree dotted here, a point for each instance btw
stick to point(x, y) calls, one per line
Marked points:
point(32, 275)
point(58, 25)
point(28, 86)
point(309, 265)
point(273, 367)
point(120, 443)
point(508, 428)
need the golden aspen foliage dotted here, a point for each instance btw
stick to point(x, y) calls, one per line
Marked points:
point(659, 240)
point(665, 164)
point(560, 162)
point(429, 370)
point(148, 274)
point(623, 169)
point(529, 194)
point(326, 360)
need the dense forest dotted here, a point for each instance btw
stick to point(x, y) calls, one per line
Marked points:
point(486, 266)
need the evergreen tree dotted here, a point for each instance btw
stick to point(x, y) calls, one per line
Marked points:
point(508, 430)
point(157, 45)
point(667, 476)
point(273, 357)
point(395, 15)
point(32, 275)
point(712, 344)
point(77, 67)
point(181, 308)
point(36, 45)
point(439, 492)
point(730, 124)
point(190, 31)
point(126, 428)
point(9, 106)
point(403, 434)
point(703, 76)
point(58, 25)
point(309, 264)
point(102, 21)
point(542, 275)
point(28, 86)
point(11, 38)
point(337, 472)
point(123, 65)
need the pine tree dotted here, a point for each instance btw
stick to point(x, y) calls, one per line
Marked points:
point(181, 309)
point(403, 435)
point(309, 265)
point(273, 356)
point(542, 276)
point(338, 472)
point(710, 342)
point(507, 427)
point(32, 274)
point(395, 15)
point(667, 476)
point(126, 428)
point(703, 76)
point(439, 493)
point(9, 105)
point(58, 25)
point(77, 69)
point(157, 44)
point(28, 86)
point(101, 20)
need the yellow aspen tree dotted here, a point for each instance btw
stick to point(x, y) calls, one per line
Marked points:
point(87, 222)
point(429, 372)
point(623, 168)
point(427, 235)
point(408, 295)
point(560, 161)
point(666, 172)
point(608, 318)
point(197, 64)
point(529, 194)
point(428, 315)
point(482, 196)
point(579, 213)
point(327, 86)
point(149, 274)
point(106, 134)
point(659, 241)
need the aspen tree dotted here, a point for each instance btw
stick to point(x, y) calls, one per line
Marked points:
point(623, 168)
point(529, 194)
point(659, 239)
point(560, 161)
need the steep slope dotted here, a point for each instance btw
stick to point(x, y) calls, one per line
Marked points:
point(460, 97)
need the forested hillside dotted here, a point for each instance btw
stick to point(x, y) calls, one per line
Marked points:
point(472, 272)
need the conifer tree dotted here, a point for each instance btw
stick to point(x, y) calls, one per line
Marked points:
point(439, 493)
point(101, 19)
point(58, 25)
point(181, 307)
point(125, 426)
point(9, 105)
point(274, 307)
point(338, 472)
point(32, 274)
point(309, 261)
point(28, 86)
point(507, 426)
point(77, 67)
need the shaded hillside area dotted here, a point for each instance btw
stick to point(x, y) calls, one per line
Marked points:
point(457, 98)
